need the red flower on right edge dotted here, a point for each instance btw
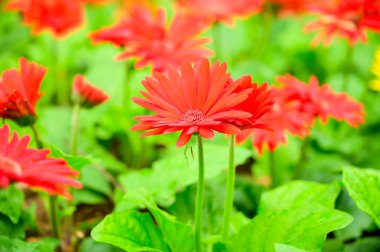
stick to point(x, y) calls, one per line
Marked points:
point(344, 18)
point(297, 105)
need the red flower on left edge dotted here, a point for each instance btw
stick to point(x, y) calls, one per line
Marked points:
point(88, 95)
point(19, 92)
point(33, 167)
point(58, 16)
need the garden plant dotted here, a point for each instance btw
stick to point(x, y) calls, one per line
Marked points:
point(190, 125)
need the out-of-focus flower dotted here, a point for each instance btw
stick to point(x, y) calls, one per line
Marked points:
point(88, 95)
point(195, 99)
point(57, 16)
point(33, 167)
point(297, 105)
point(221, 10)
point(375, 84)
point(147, 38)
point(19, 92)
point(344, 18)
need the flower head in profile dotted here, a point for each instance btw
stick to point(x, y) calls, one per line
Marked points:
point(33, 167)
point(195, 99)
point(19, 92)
point(147, 38)
point(348, 19)
point(57, 16)
point(88, 95)
point(222, 10)
point(297, 105)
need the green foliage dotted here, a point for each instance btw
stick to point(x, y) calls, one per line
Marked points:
point(17, 245)
point(286, 248)
point(11, 200)
point(363, 185)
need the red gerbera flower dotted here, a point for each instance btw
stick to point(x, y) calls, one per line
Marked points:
point(147, 38)
point(345, 18)
point(222, 10)
point(297, 106)
point(58, 16)
point(19, 92)
point(33, 167)
point(88, 95)
point(196, 99)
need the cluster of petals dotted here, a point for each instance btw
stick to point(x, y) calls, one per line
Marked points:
point(199, 99)
point(56, 16)
point(19, 92)
point(146, 37)
point(33, 167)
point(88, 95)
point(297, 105)
point(221, 10)
point(344, 18)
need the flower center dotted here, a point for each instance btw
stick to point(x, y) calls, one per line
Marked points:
point(193, 116)
point(10, 166)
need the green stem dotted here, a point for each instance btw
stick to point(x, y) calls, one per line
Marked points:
point(228, 203)
point(53, 205)
point(217, 36)
point(348, 68)
point(298, 168)
point(54, 215)
point(272, 166)
point(74, 129)
point(127, 85)
point(200, 196)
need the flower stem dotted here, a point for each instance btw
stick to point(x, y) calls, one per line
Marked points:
point(53, 204)
point(127, 85)
point(228, 203)
point(273, 170)
point(199, 199)
point(74, 129)
point(218, 39)
point(298, 167)
point(348, 68)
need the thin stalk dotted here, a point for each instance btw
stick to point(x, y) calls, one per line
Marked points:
point(273, 170)
point(53, 204)
point(59, 88)
point(127, 85)
point(298, 168)
point(74, 129)
point(228, 203)
point(348, 67)
point(218, 39)
point(200, 196)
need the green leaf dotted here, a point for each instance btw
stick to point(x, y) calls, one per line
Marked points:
point(93, 179)
point(8, 229)
point(90, 245)
point(287, 248)
point(370, 244)
point(305, 227)
point(11, 200)
point(299, 193)
point(177, 235)
point(131, 230)
point(77, 162)
point(178, 170)
point(17, 245)
point(363, 185)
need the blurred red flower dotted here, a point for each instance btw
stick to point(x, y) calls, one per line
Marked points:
point(19, 92)
point(297, 105)
point(33, 167)
point(345, 18)
point(57, 16)
point(194, 99)
point(146, 37)
point(88, 95)
point(222, 10)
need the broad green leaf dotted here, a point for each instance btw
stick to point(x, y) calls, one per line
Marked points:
point(93, 179)
point(299, 193)
point(77, 162)
point(363, 185)
point(131, 230)
point(11, 201)
point(370, 244)
point(89, 245)
point(287, 248)
point(8, 229)
point(17, 245)
point(177, 235)
point(86, 196)
point(305, 228)
point(178, 170)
